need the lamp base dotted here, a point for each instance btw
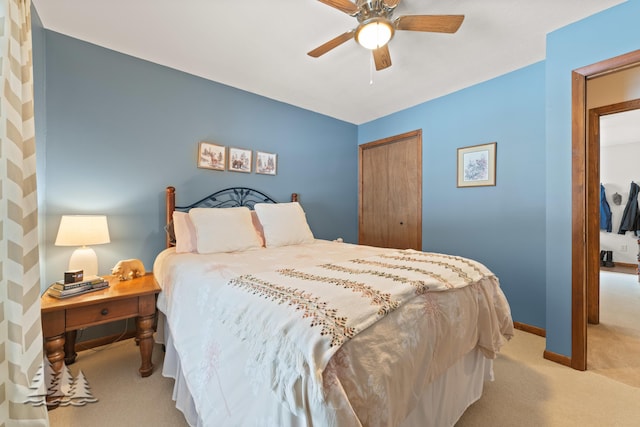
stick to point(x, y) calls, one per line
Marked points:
point(84, 259)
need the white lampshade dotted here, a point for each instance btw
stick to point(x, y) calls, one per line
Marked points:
point(83, 230)
point(374, 33)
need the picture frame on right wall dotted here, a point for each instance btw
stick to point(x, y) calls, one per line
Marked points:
point(266, 163)
point(477, 165)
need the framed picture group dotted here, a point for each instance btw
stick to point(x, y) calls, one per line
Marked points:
point(218, 157)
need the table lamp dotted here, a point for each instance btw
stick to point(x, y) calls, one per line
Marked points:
point(83, 230)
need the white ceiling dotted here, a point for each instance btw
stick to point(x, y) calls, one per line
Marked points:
point(260, 46)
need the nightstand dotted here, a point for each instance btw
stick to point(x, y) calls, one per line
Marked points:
point(61, 318)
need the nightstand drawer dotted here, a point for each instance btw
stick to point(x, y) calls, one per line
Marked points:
point(102, 312)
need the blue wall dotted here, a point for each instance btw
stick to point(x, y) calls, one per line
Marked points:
point(502, 226)
point(599, 37)
point(119, 130)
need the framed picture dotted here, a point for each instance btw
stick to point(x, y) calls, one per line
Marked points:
point(266, 163)
point(477, 165)
point(239, 160)
point(211, 156)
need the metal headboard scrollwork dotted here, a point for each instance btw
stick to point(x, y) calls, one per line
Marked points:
point(230, 198)
point(227, 198)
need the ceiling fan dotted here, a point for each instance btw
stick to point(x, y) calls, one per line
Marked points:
point(376, 26)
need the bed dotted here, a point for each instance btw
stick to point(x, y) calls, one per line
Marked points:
point(265, 325)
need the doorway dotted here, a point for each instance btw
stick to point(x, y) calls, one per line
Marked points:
point(596, 116)
point(585, 203)
point(613, 335)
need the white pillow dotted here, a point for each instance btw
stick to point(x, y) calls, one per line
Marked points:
point(224, 229)
point(184, 232)
point(283, 224)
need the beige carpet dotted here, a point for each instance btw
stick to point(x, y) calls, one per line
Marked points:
point(124, 398)
point(532, 391)
point(528, 391)
point(613, 346)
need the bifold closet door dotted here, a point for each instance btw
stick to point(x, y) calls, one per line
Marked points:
point(390, 192)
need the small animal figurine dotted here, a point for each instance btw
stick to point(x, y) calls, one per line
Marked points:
point(128, 269)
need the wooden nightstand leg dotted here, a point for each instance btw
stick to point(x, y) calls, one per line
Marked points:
point(70, 347)
point(54, 347)
point(144, 338)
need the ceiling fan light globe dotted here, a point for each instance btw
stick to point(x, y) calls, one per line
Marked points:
point(374, 33)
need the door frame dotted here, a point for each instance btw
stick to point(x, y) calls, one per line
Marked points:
point(585, 228)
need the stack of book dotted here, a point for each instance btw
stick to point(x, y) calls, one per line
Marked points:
point(89, 284)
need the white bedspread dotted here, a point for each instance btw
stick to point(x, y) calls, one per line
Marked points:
point(374, 379)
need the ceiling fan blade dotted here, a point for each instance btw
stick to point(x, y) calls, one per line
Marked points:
point(381, 57)
point(391, 3)
point(335, 42)
point(430, 23)
point(343, 5)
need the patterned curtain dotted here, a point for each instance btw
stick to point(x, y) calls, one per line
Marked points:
point(21, 360)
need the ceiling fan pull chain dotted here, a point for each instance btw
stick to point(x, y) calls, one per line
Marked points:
point(371, 70)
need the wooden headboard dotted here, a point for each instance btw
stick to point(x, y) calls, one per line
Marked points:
point(227, 198)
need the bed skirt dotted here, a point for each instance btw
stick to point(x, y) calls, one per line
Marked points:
point(452, 393)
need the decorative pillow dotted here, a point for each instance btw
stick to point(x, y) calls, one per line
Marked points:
point(283, 224)
point(185, 232)
point(224, 229)
point(171, 234)
point(258, 227)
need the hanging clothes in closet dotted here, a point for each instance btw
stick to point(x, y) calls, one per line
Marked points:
point(605, 211)
point(630, 217)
